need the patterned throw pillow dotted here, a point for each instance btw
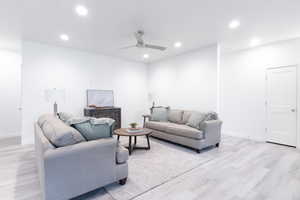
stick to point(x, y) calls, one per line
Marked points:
point(63, 116)
point(209, 116)
point(160, 114)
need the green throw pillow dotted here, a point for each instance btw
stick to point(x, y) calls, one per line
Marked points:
point(93, 131)
point(160, 114)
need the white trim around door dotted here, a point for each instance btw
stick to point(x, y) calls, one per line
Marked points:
point(281, 105)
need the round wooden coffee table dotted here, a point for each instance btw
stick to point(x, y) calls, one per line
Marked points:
point(124, 132)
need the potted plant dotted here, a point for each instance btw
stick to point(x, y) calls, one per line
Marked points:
point(133, 125)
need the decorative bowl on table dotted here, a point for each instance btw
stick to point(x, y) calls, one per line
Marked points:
point(133, 125)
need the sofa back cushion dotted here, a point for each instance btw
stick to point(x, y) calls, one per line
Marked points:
point(175, 116)
point(160, 114)
point(57, 132)
point(195, 119)
point(186, 115)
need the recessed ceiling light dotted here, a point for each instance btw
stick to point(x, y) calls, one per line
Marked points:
point(254, 42)
point(177, 44)
point(234, 24)
point(81, 10)
point(64, 37)
point(146, 56)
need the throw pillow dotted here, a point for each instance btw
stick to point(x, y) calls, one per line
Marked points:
point(92, 128)
point(58, 133)
point(64, 116)
point(160, 114)
point(93, 132)
point(195, 119)
point(208, 116)
point(211, 116)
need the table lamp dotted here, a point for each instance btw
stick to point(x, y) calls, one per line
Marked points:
point(55, 96)
point(151, 99)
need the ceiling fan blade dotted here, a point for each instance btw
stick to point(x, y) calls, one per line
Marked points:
point(128, 47)
point(155, 47)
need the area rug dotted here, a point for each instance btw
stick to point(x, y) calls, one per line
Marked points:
point(151, 168)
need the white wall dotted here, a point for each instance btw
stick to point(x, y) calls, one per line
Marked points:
point(242, 86)
point(46, 67)
point(187, 81)
point(10, 90)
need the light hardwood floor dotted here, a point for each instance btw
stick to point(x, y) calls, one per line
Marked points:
point(240, 170)
point(6, 142)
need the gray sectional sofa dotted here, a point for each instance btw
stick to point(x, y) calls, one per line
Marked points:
point(77, 166)
point(176, 128)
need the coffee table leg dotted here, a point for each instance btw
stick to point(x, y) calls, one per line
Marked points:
point(148, 141)
point(118, 137)
point(134, 140)
point(129, 146)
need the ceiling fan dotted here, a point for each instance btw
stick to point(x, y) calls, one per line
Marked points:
point(141, 44)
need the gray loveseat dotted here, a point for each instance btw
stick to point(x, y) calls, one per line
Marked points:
point(72, 170)
point(176, 130)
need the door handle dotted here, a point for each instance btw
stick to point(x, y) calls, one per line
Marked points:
point(293, 110)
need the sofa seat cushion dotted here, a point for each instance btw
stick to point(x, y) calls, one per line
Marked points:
point(184, 131)
point(160, 126)
point(121, 154)
point(57, 132)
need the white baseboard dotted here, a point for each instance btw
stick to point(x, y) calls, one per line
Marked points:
point(9, 135)
point(27, 141)
point(243, 135)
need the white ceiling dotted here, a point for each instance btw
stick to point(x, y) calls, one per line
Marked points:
point(110, 23)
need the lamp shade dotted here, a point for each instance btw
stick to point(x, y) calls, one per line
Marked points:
point(55, 95)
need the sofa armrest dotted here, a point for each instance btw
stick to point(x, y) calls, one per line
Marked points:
point(72, 170)
point(212, 131)
point(122, 154)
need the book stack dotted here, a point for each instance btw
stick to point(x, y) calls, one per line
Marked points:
point(134, 130)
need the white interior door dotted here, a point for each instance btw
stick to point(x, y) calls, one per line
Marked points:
point(10, 91)
point(282, 105)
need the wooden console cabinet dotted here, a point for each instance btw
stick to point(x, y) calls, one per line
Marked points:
point(110, 112)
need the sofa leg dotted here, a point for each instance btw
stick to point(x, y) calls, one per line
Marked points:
point(123, 181)
point(198, 150)
point(218, 144)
